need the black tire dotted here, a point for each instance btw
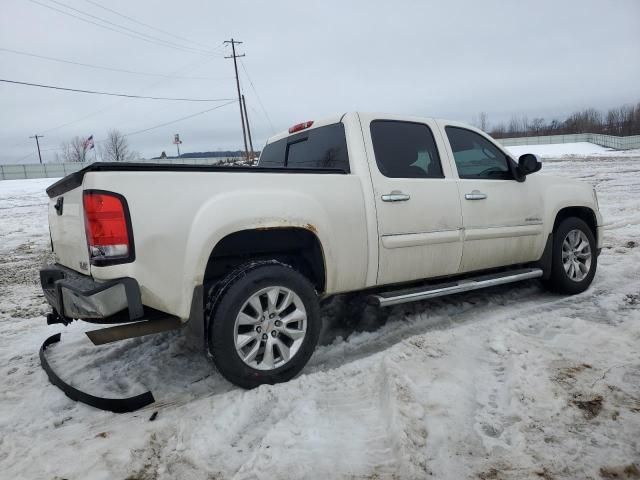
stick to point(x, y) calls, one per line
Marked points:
point(559, 281)
point(224, 304)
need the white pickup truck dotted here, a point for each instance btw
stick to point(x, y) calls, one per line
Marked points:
point(403, 208)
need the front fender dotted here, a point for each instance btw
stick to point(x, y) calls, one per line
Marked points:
point(560, 194)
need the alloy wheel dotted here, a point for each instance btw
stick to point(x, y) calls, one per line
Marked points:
point(270, 328)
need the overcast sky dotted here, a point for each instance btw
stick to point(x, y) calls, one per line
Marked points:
point(307, 60)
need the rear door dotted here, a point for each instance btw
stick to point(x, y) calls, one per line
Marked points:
point(66, 224)
point(417, 202)
point(502, 217)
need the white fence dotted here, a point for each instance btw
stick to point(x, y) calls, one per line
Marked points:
point(46, 170)
point(611, 141)
point(58, 170)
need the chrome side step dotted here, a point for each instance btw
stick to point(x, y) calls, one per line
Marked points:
point(387, 299)
point(132, 330)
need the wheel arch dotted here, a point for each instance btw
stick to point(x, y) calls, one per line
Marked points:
point(297, 246)
point(584, 213)
point(556, 279)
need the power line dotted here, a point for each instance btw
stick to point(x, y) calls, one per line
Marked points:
point(44, 150)
point(197, 62)
point(27, 155)
point(264, 110)
point(94, 92)
point(147, 25)
point(136, 35)
point(60, 60)
point(180, 119)
point(117, 25)
point(148, 129)
point(121, 102)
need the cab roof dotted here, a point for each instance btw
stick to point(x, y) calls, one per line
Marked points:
point(315, 124)
point(337, 118)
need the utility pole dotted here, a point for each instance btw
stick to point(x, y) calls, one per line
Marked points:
point(246, 117)
point(36, 136)
point(235, 64)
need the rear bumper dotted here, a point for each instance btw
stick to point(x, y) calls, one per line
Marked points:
point(76, 296)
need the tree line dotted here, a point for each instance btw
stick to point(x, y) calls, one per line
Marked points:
point(115, 148)
point(621, 121)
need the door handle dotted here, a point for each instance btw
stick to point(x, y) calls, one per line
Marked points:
point(475, 195)
point(395, 196)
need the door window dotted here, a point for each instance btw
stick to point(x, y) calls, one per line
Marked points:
point(476, 157)
point(405, 150)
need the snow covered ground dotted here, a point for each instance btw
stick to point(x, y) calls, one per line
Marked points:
point(559, 149)
point(508, 383)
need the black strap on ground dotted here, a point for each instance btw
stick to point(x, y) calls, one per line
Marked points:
point(116, 405)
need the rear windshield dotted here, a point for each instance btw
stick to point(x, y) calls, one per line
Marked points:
point(322, 147)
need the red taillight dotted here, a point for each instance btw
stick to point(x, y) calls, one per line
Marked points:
point(300, 126)
point(108, 235)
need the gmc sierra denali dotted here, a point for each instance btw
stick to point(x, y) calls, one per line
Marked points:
point(399, 207)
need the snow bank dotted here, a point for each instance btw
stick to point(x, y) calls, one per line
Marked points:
point(558, 149)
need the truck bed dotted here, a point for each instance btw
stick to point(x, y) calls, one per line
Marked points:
point(179, 213)
point(75, 179)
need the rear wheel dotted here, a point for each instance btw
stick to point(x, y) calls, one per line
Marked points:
point(264, 324)
point(574, 260)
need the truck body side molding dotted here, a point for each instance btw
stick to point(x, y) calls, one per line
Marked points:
point(116, 405)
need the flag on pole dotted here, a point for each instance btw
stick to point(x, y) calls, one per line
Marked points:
point(88, 143)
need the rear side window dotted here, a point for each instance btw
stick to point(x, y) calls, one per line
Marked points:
point(273, 154)
point(322, 147)
point(476, 157)
point(405, 149)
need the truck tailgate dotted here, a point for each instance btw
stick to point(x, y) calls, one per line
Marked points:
point(66, 224)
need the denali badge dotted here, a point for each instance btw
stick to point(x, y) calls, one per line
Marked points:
point(84, 266)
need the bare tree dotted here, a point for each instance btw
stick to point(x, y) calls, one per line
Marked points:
point(483, 121)
point(499, 130)
point(515, 127)
point(624, 120)
point(537, 126)
point(75, 150)
point(116, 148)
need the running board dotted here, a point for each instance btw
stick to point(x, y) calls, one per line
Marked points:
point(387, 299)
point(132, 330)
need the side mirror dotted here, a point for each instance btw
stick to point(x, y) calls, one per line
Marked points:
point(528, 164)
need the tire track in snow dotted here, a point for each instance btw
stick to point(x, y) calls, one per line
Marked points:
point(387, 441)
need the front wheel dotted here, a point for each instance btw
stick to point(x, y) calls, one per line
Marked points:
point(264, 323)
point(574, 259)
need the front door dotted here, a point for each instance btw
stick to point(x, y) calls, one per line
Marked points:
point(502, 217)
point(417, 202)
